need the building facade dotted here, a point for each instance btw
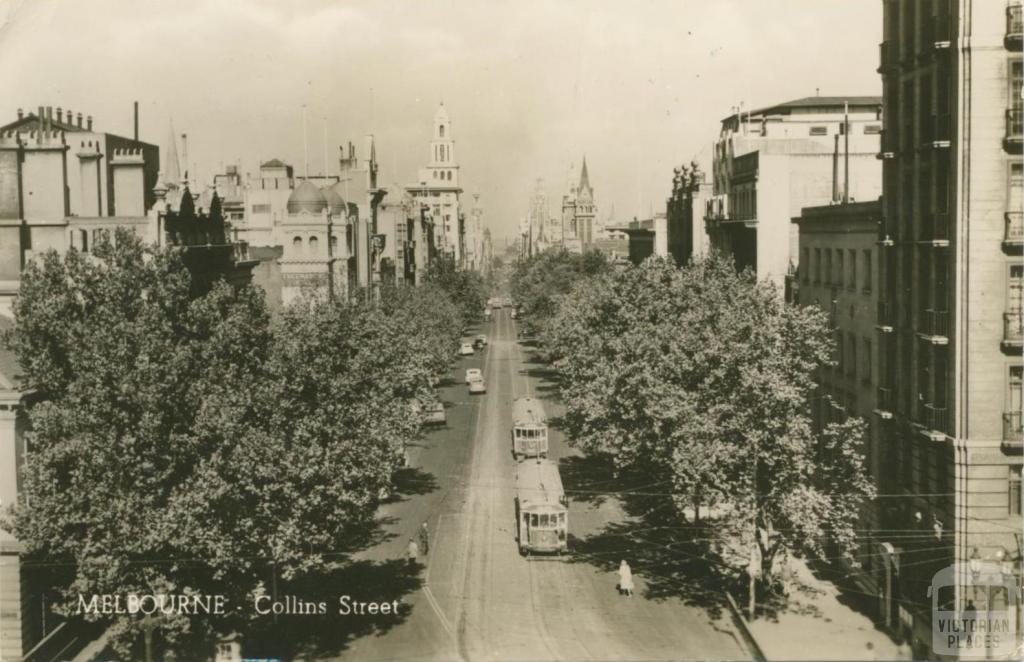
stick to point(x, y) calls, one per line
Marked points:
point(772, 162)
point(438, 187)
point(687, 237)
point(951, 276)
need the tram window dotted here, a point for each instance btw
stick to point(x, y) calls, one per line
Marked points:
point(561, 518)
point(533, 519)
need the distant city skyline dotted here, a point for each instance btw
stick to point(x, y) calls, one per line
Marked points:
point(531, 88)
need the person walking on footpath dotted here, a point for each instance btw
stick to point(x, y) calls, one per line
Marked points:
point(625, 579)
point(413, 553)
point(425, 539)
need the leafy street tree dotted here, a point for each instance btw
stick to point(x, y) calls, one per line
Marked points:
point(188, 446)
point(702, 378)
point(539, 282)
point(431, 321)
point(465, 288)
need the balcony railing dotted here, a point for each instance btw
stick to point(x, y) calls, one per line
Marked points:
point(935, 323)
point(886, 402)
point(1014, 25)
point(1014, 128)
point(936, 228)
point(937, 130)
point(886, 56)
point(1013, 433)
point(886, 319)
point(1014, 235)
point(1013, 328)
point(934, 419)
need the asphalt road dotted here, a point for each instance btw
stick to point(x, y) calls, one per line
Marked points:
point(477, 598)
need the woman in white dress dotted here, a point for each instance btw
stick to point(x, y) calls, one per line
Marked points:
point(625, 578)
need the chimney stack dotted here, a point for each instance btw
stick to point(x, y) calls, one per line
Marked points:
point(41, 121)
point(136, 117)
point(79, 120)
point(60, 114)
point(21, 113)
point(49, 118)
point(88, 123)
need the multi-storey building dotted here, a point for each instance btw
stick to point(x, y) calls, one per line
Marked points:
point(838, 273)
point(772, 162)
point(687, 239)
point(949, 318)
point(438, 188)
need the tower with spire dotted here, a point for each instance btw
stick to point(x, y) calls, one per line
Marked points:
point(578, 211)
point(438, 189)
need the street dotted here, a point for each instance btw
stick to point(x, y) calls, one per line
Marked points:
point(479, 599)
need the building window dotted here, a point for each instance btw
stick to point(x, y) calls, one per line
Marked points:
point(866, 368)
point(872, 129)
point(852, 258)
point(1014, 505)
point(867, 271)
point(334, 245)
point(828, 266)
point(819, 130)
point(1015, 287)
point(297, 244)
point(261, 209)
point(1015, 187)
point(805, 276)
point(817, 265)
point(314, 244)
point(1014, 396)
point(1016, 80)
point(851, 366)
point(840, 268)
point(440, 130)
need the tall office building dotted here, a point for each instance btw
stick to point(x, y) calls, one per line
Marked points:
point(949, 317)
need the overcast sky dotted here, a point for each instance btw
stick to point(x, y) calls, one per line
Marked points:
point(637, 86)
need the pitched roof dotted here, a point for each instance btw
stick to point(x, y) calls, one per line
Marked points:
point(787, 107)
point(274, 163)
point(584, 177)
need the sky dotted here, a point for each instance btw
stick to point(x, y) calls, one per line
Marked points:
point(531, 87)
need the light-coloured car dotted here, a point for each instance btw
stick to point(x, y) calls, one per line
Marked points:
point(515, 313)
point(473, 373)
point(480, 340)
point(477, 386)
point(466, 349)
point(435, 413)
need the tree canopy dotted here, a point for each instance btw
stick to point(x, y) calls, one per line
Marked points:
point(190, 445)
point(541, 280)
point(702, 378)
point(465, 288)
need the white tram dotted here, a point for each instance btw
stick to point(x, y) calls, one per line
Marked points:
point(529, 428)
point(542, 512)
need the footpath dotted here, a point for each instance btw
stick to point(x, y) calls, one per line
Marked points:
point(816, 625)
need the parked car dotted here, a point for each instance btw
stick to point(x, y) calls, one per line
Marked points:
point(477, 386)
point(466, 349)
point(435, 413)
point(480, 341)
point(473, 373)
point(515, 313)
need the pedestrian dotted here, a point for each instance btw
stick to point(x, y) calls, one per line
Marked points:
point(413, 553)
point(625, 579)
point(425, 539)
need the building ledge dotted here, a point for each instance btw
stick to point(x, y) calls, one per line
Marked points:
point(934, 338)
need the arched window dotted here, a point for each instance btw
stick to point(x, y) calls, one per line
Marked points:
point(313, 245)
point(297, 244)
point(449, 175)
point(441, 130)
point(334, 245)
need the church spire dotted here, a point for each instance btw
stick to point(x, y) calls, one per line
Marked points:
point(584, 187)
point(172, 167)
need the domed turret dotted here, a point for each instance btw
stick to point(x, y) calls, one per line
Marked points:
point(336, 206)
point(306, 198)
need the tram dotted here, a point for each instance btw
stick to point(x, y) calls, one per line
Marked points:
point(529, 428)
point(542, 511)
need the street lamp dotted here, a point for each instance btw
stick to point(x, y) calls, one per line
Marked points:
point(974, 565)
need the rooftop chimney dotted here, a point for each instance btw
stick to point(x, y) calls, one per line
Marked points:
point(21, 113)
point(88, 123)
point(60, 114)
point(79, 120)
point(49, 118)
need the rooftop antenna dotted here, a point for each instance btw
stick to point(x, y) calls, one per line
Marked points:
point(327, 171)
point(184, 155)
point(305, 143)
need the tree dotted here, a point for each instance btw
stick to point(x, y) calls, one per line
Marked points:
point(431, 321)
point(702, 377)
point(539, 282)
point(187, 446)
point(465, 288)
